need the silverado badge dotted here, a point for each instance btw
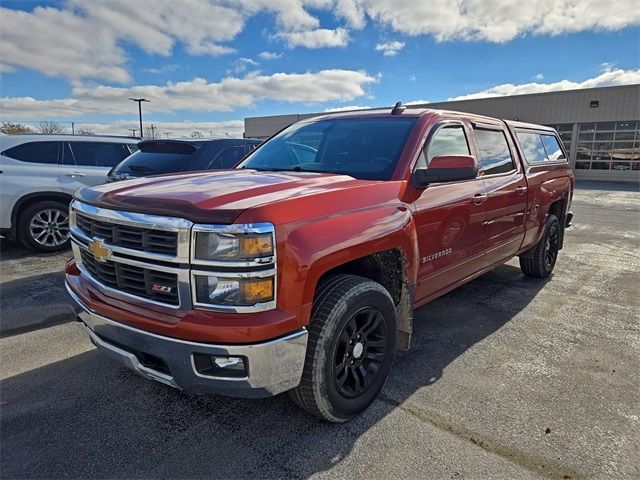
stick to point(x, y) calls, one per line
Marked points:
point(99, 251)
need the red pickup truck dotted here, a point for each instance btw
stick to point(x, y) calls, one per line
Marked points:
point(299, 270)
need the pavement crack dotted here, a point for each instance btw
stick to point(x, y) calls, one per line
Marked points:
point(531, 462)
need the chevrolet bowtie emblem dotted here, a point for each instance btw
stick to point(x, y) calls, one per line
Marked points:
point(99, 251)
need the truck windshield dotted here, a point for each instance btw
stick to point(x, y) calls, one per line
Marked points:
point(364, 148)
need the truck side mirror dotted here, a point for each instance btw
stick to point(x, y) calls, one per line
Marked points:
point(446, 168)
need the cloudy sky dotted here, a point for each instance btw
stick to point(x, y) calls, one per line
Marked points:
point(207, 64)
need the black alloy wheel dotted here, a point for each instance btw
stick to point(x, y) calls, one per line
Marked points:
point(360, 352)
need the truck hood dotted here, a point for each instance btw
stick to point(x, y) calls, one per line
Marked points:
point(215, 197)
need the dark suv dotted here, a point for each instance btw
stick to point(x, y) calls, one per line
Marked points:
point(172, 156)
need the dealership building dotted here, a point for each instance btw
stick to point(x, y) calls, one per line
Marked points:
point(600, 127)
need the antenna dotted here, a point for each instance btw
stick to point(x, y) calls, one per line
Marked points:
point(398, 109)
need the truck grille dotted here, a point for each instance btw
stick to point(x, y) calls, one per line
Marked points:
point(134, 280)
point(143, 239)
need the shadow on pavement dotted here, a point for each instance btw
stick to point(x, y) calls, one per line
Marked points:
point(87, 417)
point(33, 302)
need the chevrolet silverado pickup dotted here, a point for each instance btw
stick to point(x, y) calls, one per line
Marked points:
point(299, 269)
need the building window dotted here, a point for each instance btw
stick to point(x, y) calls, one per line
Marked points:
point(608, 146)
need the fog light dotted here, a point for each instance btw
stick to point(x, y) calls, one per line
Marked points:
point(219, 366)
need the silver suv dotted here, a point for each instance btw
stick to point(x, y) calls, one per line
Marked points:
point(40, 173)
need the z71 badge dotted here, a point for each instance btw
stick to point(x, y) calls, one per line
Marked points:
point(439, 254)
point(160, 288)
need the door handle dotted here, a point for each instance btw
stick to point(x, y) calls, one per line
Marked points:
point(521, 190)
point(76, 174)
point(480, 198)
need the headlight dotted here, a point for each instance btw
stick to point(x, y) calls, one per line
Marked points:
point(234, 267)
point(233, 242)
point(229, 291)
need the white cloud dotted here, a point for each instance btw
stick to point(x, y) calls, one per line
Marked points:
point(163, 70)
point(241, 65)
point(417, 102)
point(318, 38)
point(608, 77)
point(539, 76)
point(86, 39)
point(60, 43)
point(232, 128)
point(83, 39)
point(391, 48)
point(270, 55)
point(347, 108)
point(500, 21)
point(351, 11)
point(195, 95)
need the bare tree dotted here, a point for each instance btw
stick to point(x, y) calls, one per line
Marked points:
point(151, 132)
point(14, 128)
point(85, 131)
point(50, 127)
point(196, 134)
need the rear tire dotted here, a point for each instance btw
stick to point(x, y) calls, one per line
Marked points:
point(545, 253)
point(350, 352)
point(44, 226)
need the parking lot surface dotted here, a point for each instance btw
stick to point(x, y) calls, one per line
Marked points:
point(508, 377)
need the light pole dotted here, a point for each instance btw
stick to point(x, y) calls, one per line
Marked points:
point(140, 100)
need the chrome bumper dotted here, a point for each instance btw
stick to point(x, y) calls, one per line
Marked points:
point(271, 367)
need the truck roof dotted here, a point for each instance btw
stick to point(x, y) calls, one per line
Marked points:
point(419, 111)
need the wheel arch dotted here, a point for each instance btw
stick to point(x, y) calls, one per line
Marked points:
point(390, 268)
point(31, 198)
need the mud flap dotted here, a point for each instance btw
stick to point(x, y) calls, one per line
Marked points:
point(405, 317)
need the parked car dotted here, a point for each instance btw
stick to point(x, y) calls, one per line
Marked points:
point(301, 274)
point(172, 156)
point(38, 175)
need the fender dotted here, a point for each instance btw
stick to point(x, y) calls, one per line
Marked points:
point(313, 248)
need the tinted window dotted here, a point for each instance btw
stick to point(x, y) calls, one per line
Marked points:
point(364, 148)
point(304, 153)
point(448, 141)
point(67, 156)
point(151, 163)
point(532, 147)
point(495, 156)
point(551, 145)
point(34, 152)
point(94, 154)
point(229, 157)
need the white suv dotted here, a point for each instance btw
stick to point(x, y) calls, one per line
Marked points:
point(40, 173)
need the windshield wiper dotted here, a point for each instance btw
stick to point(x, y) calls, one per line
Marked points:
point(296, 168)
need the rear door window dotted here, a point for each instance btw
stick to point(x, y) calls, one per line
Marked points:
point(532, 147)
point(495, 156)
point(97, 154)
point(540, 147)
point(35, 152)
point(551, 145)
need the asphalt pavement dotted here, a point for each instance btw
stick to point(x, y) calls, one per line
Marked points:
point(508, 377)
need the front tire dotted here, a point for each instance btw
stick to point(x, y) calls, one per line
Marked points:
point(44, 226)
point(350, 352)
point(545, 253)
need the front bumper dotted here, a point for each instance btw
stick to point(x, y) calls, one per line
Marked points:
point(271, 367)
